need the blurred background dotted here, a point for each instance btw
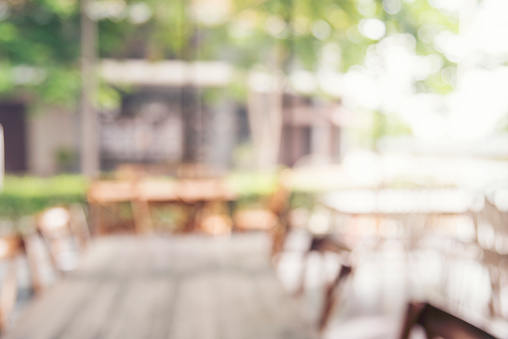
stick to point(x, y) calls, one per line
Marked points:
point(248, 84)
point(376, 116)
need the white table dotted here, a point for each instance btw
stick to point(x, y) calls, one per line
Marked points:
point(401, 201)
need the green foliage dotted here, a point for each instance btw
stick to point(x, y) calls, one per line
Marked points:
point(109, 97)
point(438, 84)
point(24, 196)
point(39, 50)
point(254, 188)
point(253, 183)
point(388, 125)
point(40, 39)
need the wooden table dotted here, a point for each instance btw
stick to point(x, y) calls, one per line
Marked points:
point(191, 194)
point(178, 287)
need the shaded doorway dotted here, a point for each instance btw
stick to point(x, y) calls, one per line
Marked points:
point(12, 118)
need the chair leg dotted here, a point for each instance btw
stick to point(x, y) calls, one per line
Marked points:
point(412, 313)
point(331, 295)
point(95, 218)
point(495, 297)
point(279, 235)
point(33, 267)
point(8, 296)
point(142, 218)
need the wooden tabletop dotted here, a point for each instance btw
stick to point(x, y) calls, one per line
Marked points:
point(160, 190)
point(178, 287)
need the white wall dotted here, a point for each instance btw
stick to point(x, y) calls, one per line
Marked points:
point(47, 132)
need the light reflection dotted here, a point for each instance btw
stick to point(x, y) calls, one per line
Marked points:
point(139, 13)
point(210, 12)
point(321, 29)
point(301, 25)
point(372, 28)
point(276, 27)
point(392, 6)
point(367, 7)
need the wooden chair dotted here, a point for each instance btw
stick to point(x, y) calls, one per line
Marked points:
point(105, 200)
point(272, 218)
point(264, 218)
point(332, 292)
point(205, 201)
point(322, 245)
point(65, 233)
point(437, 323)
point(492, 238)
point(213, 220)
point(10, 248)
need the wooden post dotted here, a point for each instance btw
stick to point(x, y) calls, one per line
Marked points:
point(89, 123)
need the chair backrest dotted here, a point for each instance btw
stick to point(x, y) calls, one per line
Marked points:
point(437, 323)
point(492, 233)
point(497, 219)
point(329, 244)
point(65, 233)
point(10, 248)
